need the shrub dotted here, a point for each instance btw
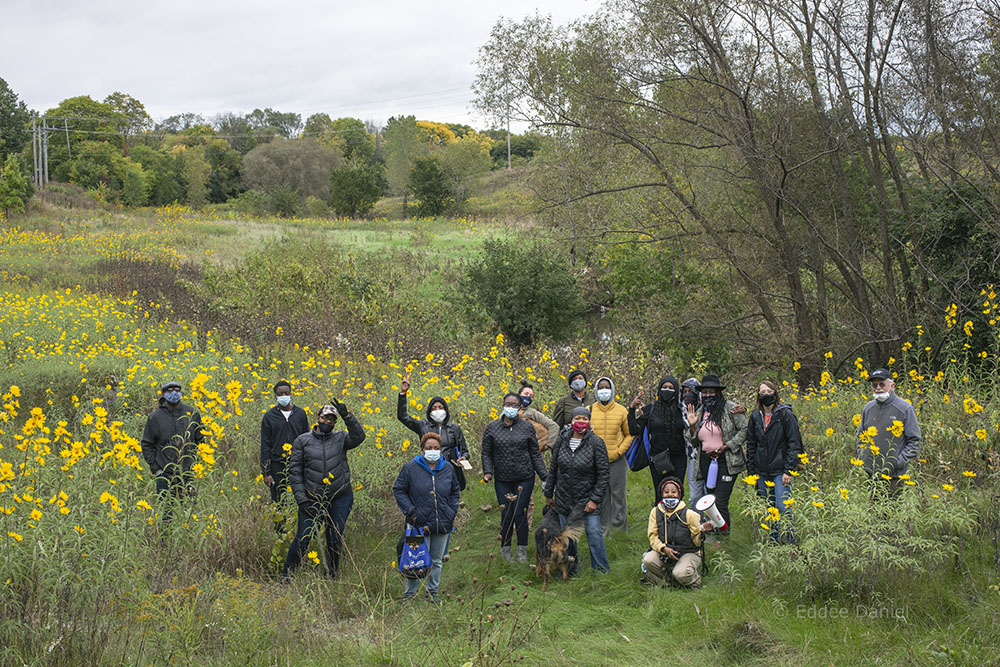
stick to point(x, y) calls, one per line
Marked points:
point(526, 290)
point(354, 191)
point(429, 185)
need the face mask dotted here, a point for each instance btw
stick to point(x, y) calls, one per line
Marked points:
point(172, 397)
point(881, 396)
point(509, 411)
point(324, 428)
point(767, 399)
point(578, 385)
point(432, 455)
point(525, 401)
point(581, 427)
point(708, 402)
point(438, 416)
point(604, 395)
point(667, 395)
point(284, 401)
point(671, 503)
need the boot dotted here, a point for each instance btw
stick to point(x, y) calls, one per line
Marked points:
point(505, 554)
point(522, 554)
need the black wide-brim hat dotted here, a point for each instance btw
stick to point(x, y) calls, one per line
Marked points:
point(710, 382)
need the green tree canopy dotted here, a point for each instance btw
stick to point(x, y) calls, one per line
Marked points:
point(14, 118)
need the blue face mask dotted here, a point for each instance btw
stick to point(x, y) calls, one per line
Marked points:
point(284, 401)
point(525, 401)
point(432, 455)
point(510, 411)
point(173, 396)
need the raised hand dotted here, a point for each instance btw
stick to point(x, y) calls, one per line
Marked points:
point(404, 386)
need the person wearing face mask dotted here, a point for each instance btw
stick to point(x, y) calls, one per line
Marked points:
point(774, 445)
point(546, 430)
point(453, 447)
point(426, 492)
point(169, 444)
point(690, 396)
point(675, 538)
point(890, 450)
point(321, 481)
point(718, 431)
point(609, 421)
point(664, 424)
point(279, 427)
point(578, 475)
point(575, 398)
point(511, 458)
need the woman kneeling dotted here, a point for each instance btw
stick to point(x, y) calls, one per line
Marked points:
point(675, 537)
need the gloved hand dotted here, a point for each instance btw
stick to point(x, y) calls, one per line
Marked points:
point(341, 408)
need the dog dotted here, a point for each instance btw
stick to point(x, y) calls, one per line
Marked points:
point(552, 543)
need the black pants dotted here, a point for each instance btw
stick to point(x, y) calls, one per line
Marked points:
point(280, 482)
point(723, 485)
point(679, 462)
point(514, 517)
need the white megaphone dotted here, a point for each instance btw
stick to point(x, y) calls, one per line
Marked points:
point(706, 505)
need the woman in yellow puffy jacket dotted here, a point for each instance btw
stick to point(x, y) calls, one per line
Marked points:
point(609, 421)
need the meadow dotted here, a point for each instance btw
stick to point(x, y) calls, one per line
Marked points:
point(85, 578)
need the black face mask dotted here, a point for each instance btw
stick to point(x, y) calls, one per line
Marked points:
point(324, 428)
point(667, 395)
point(708, 402)
point(767, 399)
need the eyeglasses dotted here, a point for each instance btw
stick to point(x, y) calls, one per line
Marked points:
point(507, 404)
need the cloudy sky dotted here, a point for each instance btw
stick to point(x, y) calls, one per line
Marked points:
point(370, 60)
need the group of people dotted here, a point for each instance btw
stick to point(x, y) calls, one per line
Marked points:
point(690, 432)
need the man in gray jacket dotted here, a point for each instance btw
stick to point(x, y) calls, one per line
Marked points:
point(888, 435)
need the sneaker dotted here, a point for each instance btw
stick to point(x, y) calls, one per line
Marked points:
point(407, 597)
point(433, 598)
point(522, 554)
point(506, 555)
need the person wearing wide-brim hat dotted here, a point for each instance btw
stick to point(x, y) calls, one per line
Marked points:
point(717, 431)
point(563, 409)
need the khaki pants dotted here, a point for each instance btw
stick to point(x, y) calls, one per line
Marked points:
point(614, 509)
point(684, 571)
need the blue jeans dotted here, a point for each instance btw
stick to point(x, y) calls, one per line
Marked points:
point(696, 487)
point(332, 514)
point(514, 518)
point(775, 496)
point(437, 543)
point(595, 542)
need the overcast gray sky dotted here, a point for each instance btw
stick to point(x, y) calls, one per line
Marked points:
point(370, 60)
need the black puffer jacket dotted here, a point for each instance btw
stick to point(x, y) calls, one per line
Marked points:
point(510, 453)
point(774, 451)
point(316, 457)
point(452, 439)
point(427, 497)
point(170, 438)
point(576, 477)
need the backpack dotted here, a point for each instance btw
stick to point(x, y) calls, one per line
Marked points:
point(637, 455)
point(413, 554)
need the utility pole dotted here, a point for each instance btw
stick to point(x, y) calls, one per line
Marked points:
point(66, 126)
point(34, 151)
point(508, 135)
point(45, 150)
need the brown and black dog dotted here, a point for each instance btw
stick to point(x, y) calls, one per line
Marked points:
point(552, 543)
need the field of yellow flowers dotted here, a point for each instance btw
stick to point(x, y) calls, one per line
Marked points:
point(88, 575)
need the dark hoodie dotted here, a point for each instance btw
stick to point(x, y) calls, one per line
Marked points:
point(774, 450)
point(663, 420)
point(170, 438)
point(452, 439)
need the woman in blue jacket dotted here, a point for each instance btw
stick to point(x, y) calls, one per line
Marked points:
point(426, 492)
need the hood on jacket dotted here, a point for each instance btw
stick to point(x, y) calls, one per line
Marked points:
point(422, 462)
point(677, 387)
point(447, 412)
point(613, 392)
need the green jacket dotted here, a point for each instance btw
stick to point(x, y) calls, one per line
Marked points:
point(563, 409)
point(734, 435)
